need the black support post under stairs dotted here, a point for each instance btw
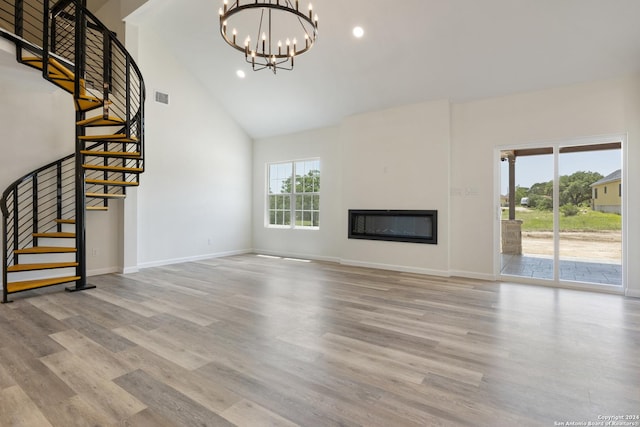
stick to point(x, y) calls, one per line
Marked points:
point(81, 242)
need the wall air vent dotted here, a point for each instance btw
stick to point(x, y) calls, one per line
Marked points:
point(162, 98)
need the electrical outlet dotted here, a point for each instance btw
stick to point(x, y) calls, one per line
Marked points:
point(94, 252)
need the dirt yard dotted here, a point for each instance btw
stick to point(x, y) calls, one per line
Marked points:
point(604, 245)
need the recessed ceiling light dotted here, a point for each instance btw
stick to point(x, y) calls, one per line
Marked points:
point(358, 32)
point(240, 74)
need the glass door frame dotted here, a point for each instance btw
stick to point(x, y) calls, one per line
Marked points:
point(557, 146)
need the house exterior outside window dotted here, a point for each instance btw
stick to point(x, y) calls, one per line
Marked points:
point(604, 200)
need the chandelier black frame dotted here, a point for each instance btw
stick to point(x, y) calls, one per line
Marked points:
point(264, 55)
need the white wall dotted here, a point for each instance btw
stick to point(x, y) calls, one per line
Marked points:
point(121, 229)
point(113, 13)
point(317, 244)
point(194, 198)
point(397, 159)
point(104, 239)
point(599, 108)
point(392, 159)
point(442, 156)
point(36, 119)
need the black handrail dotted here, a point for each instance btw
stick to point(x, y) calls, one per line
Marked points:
point(27, 177)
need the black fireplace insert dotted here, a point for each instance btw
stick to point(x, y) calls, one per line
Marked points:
point(415, 226)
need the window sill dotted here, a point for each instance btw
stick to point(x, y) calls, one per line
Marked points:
point(286, 227)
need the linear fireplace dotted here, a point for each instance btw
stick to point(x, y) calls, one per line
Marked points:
point(415, 226)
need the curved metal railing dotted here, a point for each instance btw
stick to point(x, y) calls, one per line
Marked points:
point(103, 70)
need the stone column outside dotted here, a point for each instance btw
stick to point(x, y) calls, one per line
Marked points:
point(512, 236)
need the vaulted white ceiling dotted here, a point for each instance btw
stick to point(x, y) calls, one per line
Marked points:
point(413, 51)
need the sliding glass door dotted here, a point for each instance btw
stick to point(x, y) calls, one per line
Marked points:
point(562, 208)
point(527, 245)
point(590, 214)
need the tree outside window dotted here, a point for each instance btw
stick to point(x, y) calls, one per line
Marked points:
point(294, 194)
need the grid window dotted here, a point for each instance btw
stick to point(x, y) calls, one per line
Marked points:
point(294, 194)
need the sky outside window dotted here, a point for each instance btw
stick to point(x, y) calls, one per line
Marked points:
point(531, 169)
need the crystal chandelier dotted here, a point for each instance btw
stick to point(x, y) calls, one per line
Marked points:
point(268, 31)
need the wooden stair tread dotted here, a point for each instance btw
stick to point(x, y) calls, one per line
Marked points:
point(60, 78)
point(54, 73)
point(112, 183)
point(44, 266)
point(127, 154)
point(40, 283)
point(58, 66)
point(53, 64)
point(68, 85)
point(101, 121)
point(106, 195)
point(59, 75)
point(65, 221)
point(87, 103)
point(97, 208)
point(116, 137)
point(37, 62)
point(56, 235)
point(113, 168)
point(45, 250)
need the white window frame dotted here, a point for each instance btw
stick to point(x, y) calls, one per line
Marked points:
point(293, 196)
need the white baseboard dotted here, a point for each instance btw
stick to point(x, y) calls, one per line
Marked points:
point(633, 293)
point(192, 258)
point(391, 267)
point(101, 271)
point(129, 270)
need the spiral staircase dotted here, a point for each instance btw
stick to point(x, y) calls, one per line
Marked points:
point(44, 212)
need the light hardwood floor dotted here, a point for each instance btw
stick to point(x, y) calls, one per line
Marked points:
point(255, 341)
